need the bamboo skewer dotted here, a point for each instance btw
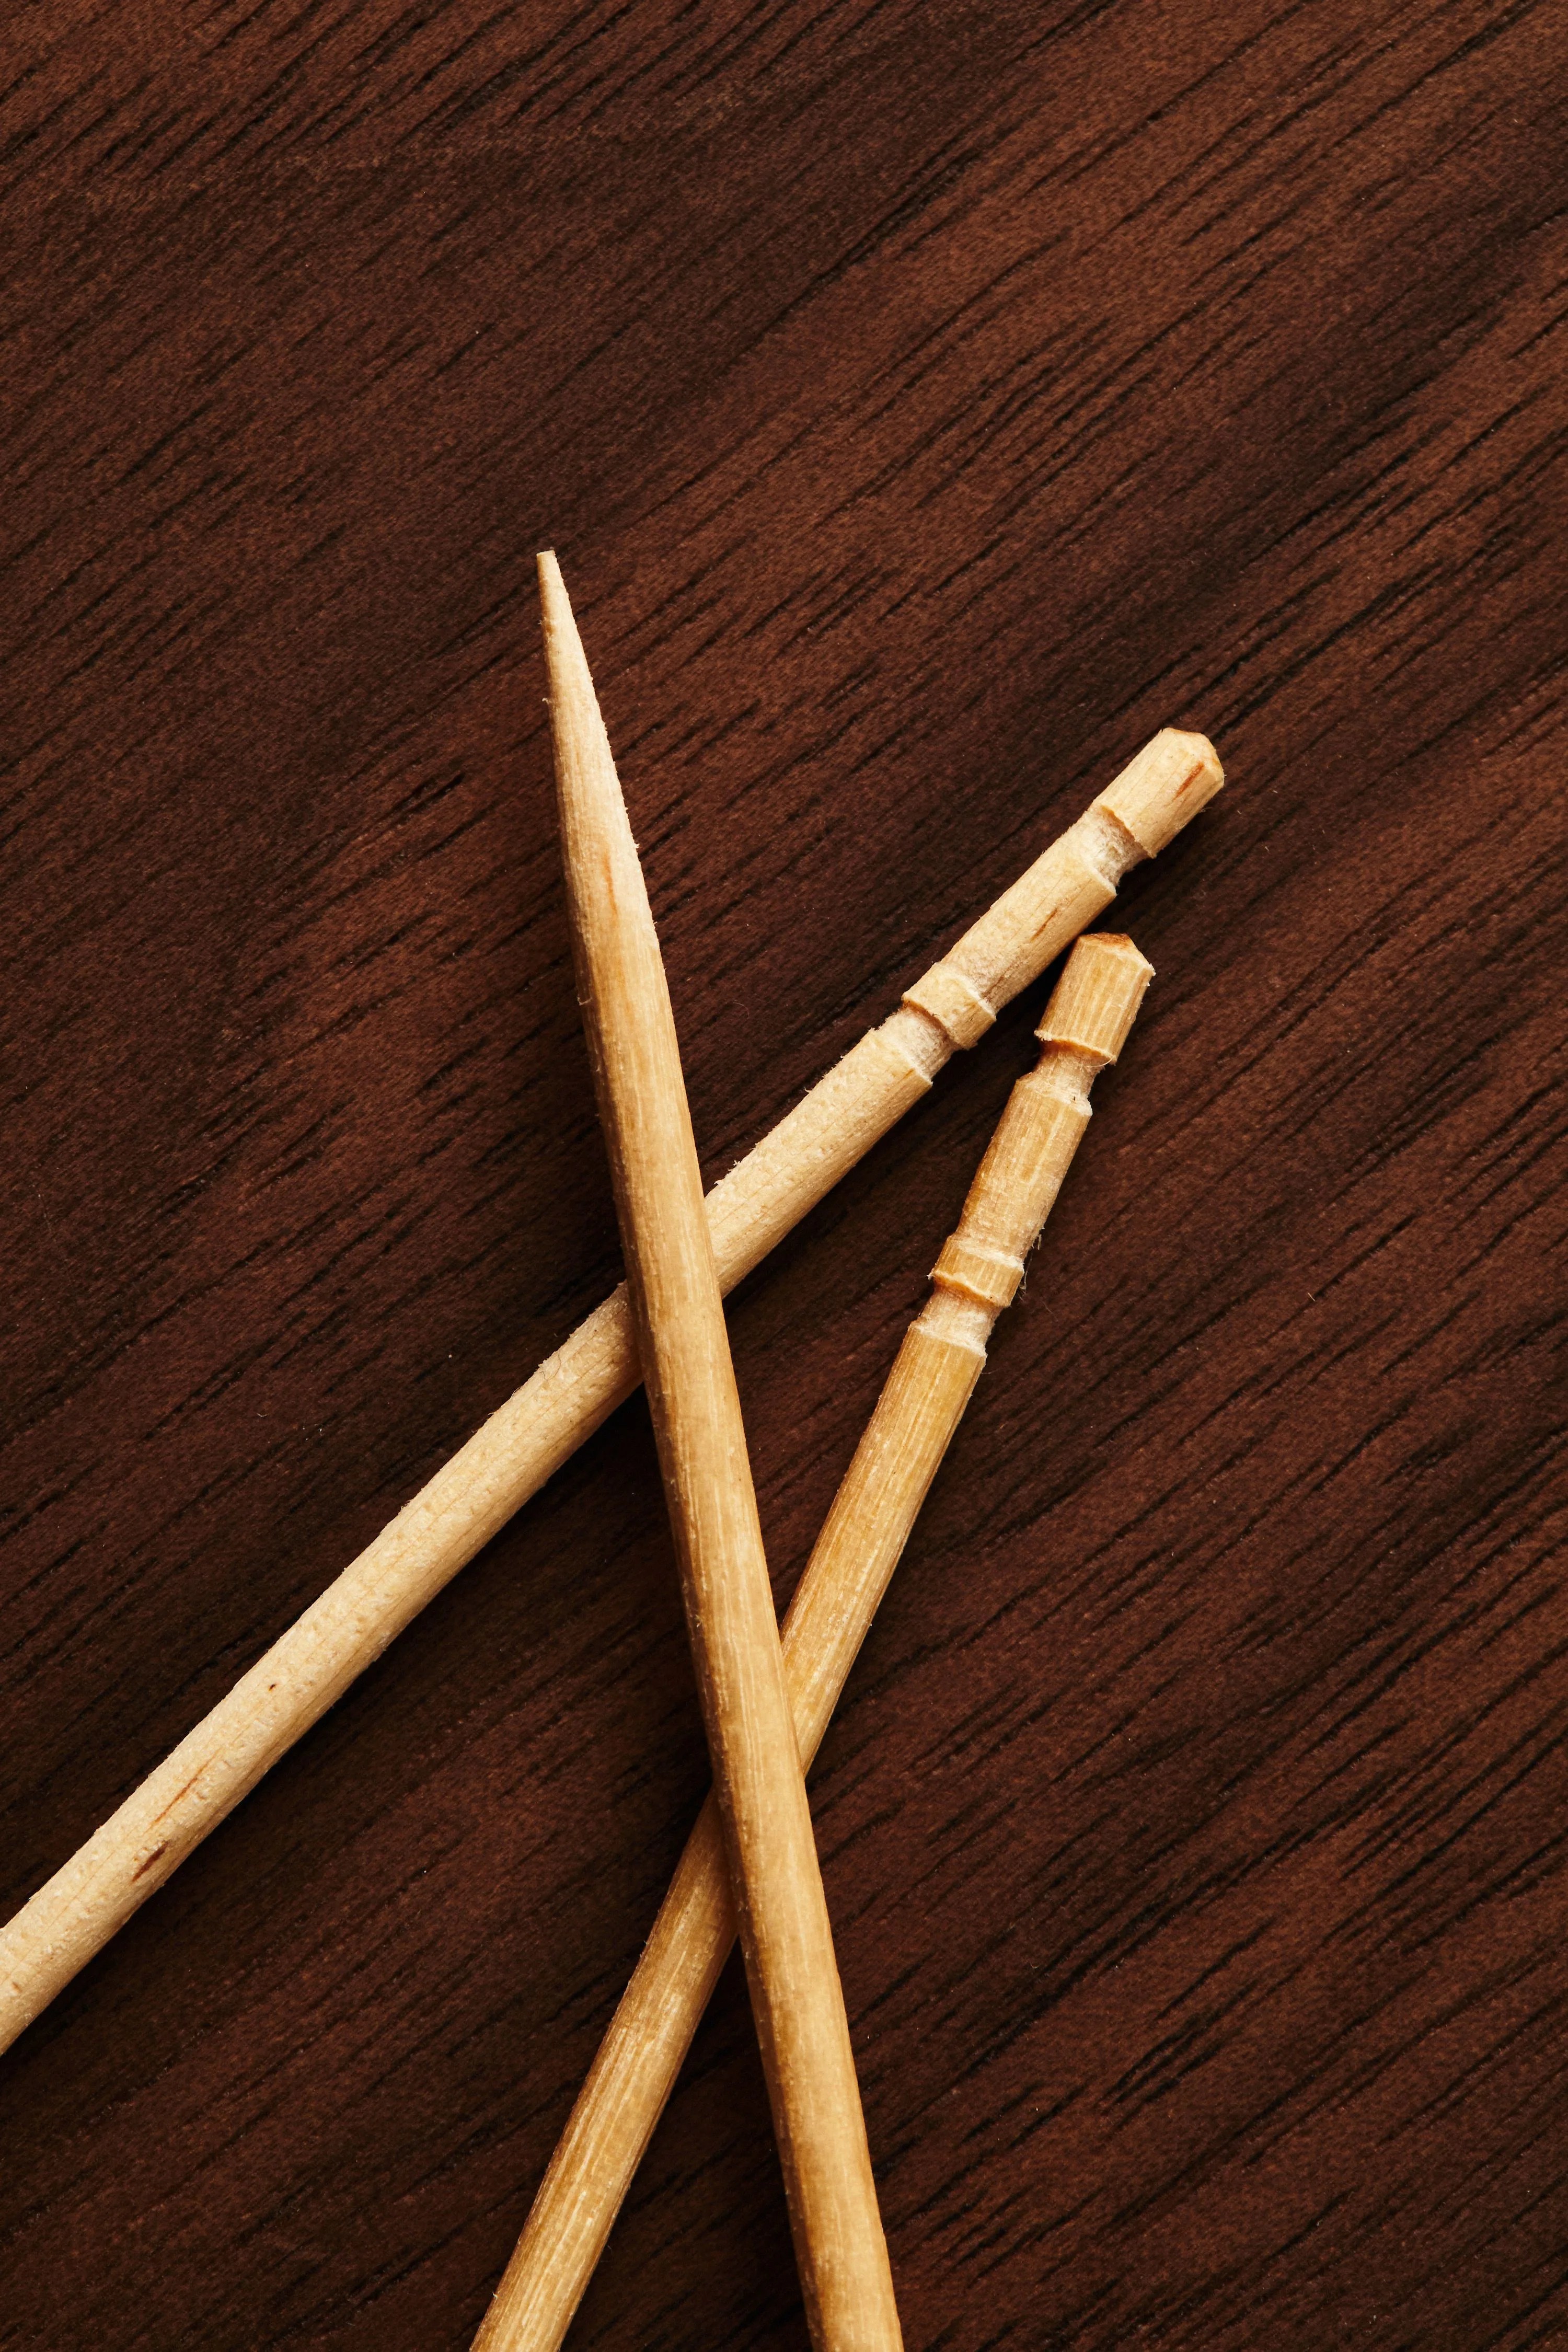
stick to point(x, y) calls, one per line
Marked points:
point(684, 1348)
point(575, 1390)
point(943, 1352)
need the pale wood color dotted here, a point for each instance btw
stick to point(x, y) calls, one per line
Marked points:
point(1085, 1027)
point(684, 1348)
point(559, 1407)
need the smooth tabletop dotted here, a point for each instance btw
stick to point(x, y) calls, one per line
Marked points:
point(927, 402)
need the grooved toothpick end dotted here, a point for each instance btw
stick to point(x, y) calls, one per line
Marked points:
point(1094, 1003)
point(1176, 775)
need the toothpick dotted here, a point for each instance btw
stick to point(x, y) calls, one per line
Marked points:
point(1084, 1028)
point(684, 1347)
point(575, 1390)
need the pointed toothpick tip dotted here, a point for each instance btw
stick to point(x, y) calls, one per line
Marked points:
point(551, 587)
point(563, 651)
point(588, 791)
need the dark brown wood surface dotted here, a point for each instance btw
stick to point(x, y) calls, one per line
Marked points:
point(927, 402)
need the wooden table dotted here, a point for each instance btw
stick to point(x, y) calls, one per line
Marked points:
point(927, 402)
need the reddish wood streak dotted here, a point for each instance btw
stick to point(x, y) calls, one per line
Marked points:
point(178, 1799)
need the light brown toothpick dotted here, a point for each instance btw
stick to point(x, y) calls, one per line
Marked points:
point(1085, 1027)
point(542, 1424)
point(678, 1309)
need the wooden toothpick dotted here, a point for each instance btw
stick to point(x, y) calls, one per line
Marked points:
point(1085, 1027)
point(575, 1390)
point(684, 1346)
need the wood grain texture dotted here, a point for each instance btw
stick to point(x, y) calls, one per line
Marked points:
point(930, 403)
